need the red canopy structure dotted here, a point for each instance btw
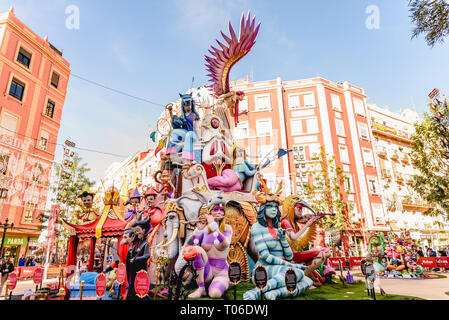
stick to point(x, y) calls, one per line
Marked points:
point(109, 224)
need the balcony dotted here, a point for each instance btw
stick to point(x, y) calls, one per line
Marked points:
point(385, 174)
point(399, 177)
point(382, 152)
point(404, 158)
point(409, 180)
point(394, 156)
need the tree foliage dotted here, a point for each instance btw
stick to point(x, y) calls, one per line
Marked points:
point(327, 193)
point(431, 18)
point(429, 157)
point(70, 188)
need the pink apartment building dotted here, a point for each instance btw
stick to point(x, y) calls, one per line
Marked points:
point(304, 115)
point(33, 83)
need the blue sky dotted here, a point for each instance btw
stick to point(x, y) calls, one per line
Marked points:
point(152, 49)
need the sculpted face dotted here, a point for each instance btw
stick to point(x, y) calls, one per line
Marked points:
point(218, 213)
point(135, 201)
point(140, 232)
point(239, 153)
point(127, 239)
point(187, 104)
point(150, 200)
point(214, 123)
point(271, 210)
point(87, 201)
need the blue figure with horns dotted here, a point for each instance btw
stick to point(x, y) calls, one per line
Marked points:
point(183, 134)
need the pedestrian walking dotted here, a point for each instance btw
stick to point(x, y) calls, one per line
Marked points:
point(5, 270)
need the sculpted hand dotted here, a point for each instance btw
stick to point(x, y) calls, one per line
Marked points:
point(281, 233)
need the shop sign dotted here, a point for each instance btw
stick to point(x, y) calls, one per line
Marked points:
point(15, 241)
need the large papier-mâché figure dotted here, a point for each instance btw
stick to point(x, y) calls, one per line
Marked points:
point(301, 231)
point(208, 249)
point(275, 253)
point(183, 134)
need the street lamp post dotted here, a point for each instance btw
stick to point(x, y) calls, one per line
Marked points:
point(5, 226)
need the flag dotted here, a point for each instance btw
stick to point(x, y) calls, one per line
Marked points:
point(153, 136)
point(280, 153)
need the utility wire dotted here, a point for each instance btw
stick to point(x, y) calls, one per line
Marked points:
point(116, 91)
point(60, 144)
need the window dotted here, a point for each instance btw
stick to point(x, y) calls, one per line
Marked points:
point(264, 127)
point(344, 155)
point(24, 57)
point(315, 150)
point(54, 80)
point(368, 157)
point(363, 131)
point(17, 88)
point(50, 109)
point(340, 127)
point(293, 101)
point(372, 184)
point(358, 107)
point(349, 187)
point(4, 161)
point(336, 104)
point(29, 210)
point(309, 100)
point(299, 153)
point(241, 131)
point(378, 214)
point(9, 124)
point(312, 125)
point(43, 143)
point(296, 126)
point(243, 105)
point(36, 173)
point(263, 103)
point(264, 150)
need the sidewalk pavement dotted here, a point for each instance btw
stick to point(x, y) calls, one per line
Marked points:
point(430, 289)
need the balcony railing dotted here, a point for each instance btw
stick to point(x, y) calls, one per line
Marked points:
point(398, 176)
point(404, 158)
point(394, 156)
point(385, 174)
point(382, 152)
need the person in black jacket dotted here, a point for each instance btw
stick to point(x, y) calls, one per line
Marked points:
point(139, 260)
point(5, 270)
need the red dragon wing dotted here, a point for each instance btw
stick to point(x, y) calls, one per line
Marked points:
point(221, 62)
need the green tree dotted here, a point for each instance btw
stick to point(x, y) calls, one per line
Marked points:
point(327, 193)
point(67, 191)
point(430, 157)
point(431, 18)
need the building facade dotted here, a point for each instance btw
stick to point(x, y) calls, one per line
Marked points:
point(304, 115)
point(33, 82)
point(403, 206)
